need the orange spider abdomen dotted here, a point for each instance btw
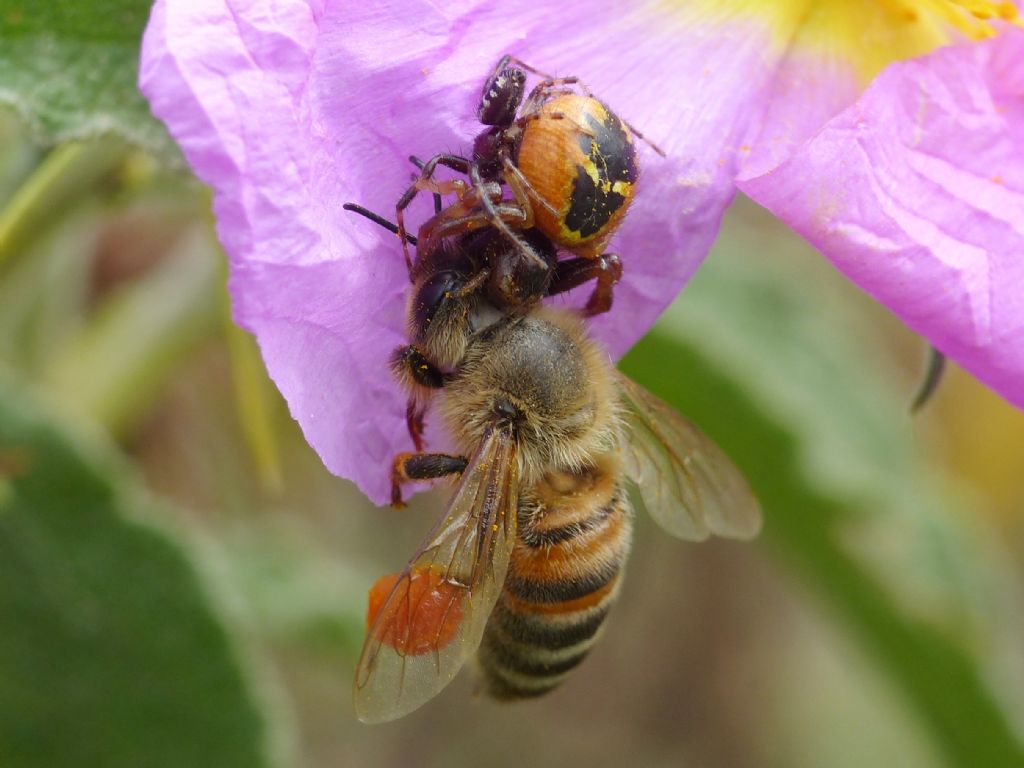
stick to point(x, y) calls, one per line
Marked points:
point(579, 157)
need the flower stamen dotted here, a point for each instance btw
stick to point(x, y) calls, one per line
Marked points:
point(974, 18)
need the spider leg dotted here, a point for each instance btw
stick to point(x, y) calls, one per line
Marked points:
point(426, 174)
point(606, 269)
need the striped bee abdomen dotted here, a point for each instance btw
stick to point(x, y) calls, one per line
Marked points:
point(564, 574)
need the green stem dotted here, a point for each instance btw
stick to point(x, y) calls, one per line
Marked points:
point(254, 393)
point(68, 172)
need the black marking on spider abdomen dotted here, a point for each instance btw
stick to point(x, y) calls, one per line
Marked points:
point(612, 155)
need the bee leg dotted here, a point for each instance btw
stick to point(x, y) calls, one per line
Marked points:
point(421, 466)
point(418, 375)
point(414, 413)
point(606, 269)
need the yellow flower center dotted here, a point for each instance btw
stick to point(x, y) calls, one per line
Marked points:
point(972, 18)
point(868, 35)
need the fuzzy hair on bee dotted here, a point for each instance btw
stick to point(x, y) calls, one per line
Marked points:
point(556, 379)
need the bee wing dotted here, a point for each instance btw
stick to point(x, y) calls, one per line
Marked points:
point(434, 617)
point(688, 484)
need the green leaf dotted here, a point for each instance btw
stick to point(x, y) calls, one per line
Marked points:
point(777, 371)
point(111, 650)
point(69, 69)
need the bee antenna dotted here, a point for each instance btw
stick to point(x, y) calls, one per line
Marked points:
point(377, 219)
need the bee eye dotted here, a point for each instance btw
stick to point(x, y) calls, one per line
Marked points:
point(433, 294)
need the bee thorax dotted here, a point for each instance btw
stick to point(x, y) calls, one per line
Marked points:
point(540, 375)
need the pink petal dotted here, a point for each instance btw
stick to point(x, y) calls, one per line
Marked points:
point(917, 194)
point(807, 90)
point(290, 109)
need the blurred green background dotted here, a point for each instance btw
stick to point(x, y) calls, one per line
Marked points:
point(182, 583)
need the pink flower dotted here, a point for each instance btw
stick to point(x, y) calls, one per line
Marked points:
point(911, 182)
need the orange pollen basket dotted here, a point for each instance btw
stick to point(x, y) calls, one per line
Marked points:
point(424, 615)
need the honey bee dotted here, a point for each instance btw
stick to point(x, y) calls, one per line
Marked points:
point(461, 281)
point(527, 558)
